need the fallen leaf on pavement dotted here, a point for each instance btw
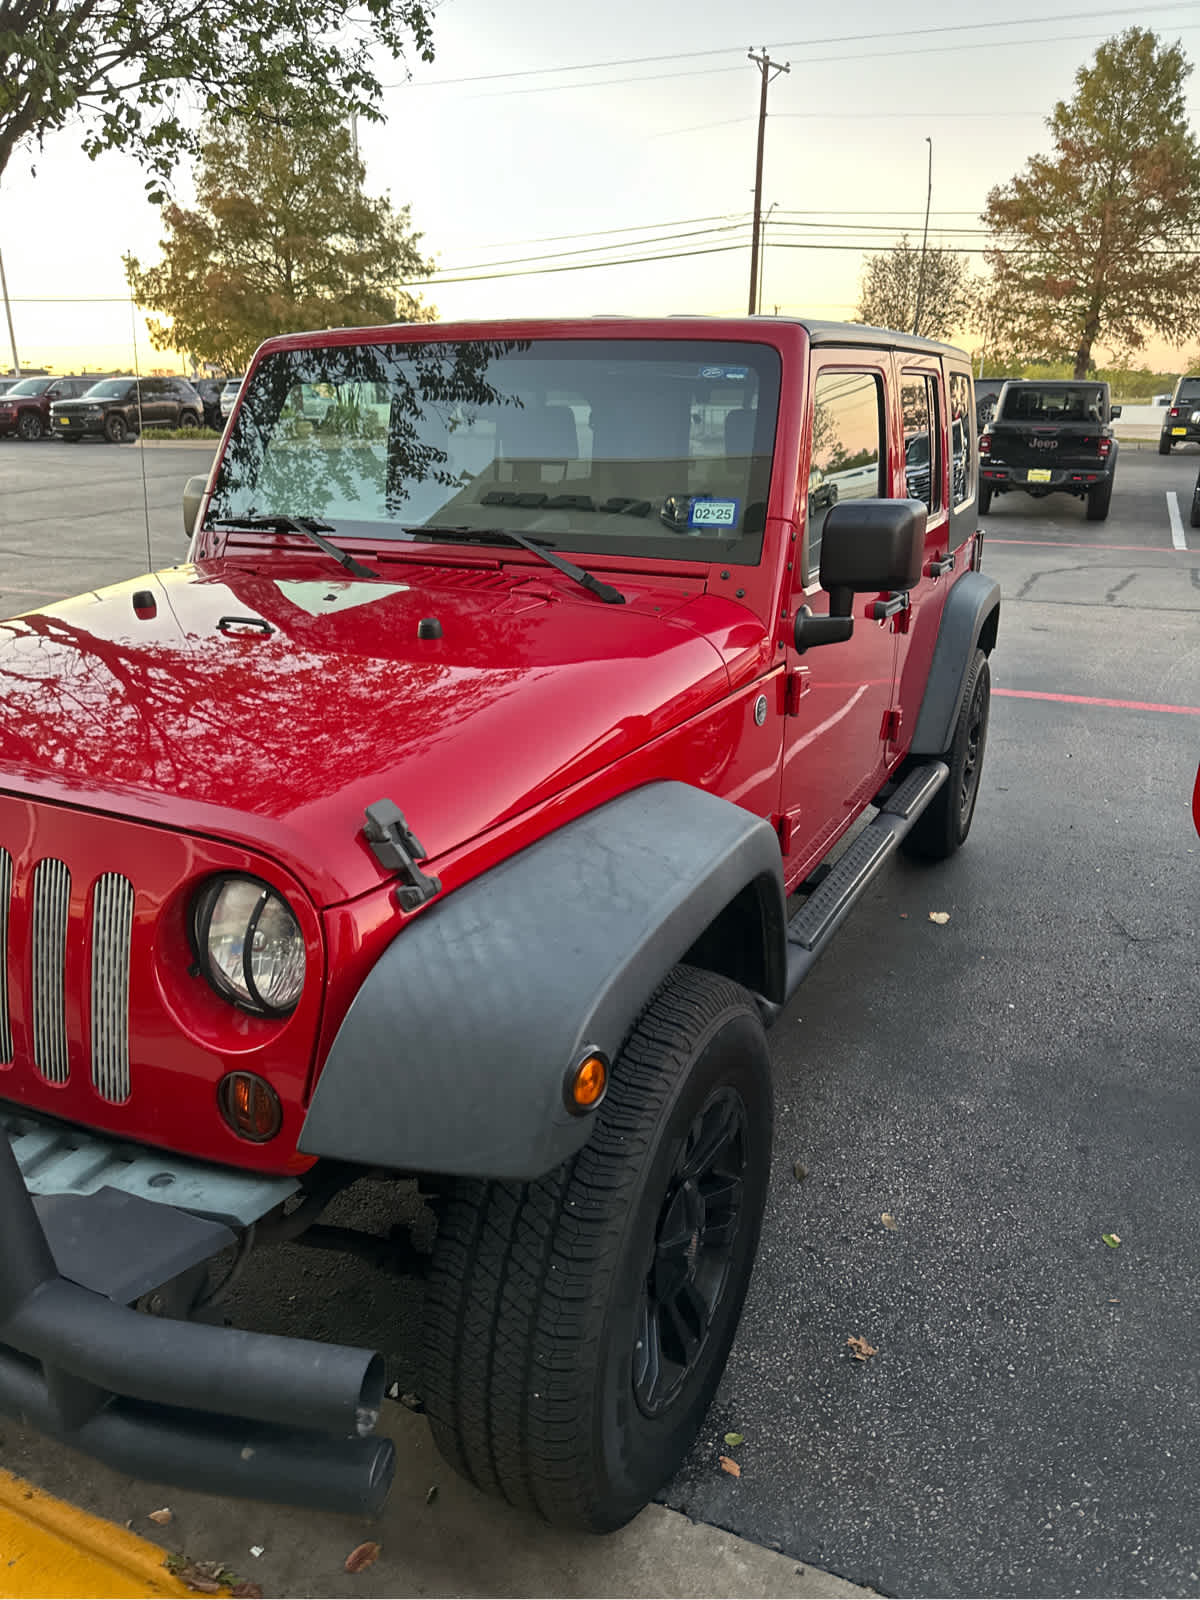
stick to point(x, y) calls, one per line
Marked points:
point(734, 1439)
point(890, 1222)
point(799, 1171)
point(1112, 1240)
point(362, 1557)
point(730, 1466)
point(862, 1350)
point(161, 1516)
point(939, 916)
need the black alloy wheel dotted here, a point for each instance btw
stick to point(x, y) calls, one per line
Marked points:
point(29, 425)
point(188, 419)
point(115, 428)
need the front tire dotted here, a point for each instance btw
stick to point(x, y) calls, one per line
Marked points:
point(115, 428)
point(577, 1326)
point(944, 824)
point(29, 426)
point(188, 419)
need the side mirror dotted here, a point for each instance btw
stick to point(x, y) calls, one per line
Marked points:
point(866, 546)
point(1114, 412)
point(193, 493)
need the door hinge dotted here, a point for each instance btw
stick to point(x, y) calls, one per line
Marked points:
point(892, 722)
point(798, 685)
point(784, 827)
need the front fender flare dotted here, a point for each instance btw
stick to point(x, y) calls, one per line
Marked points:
point(453, 1055)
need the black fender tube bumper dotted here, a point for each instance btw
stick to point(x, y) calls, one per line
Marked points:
point(190, 1404)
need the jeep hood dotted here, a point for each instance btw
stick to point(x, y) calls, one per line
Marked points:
point(264, 703)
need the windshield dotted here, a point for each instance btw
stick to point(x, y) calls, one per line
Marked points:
point(31, 386)
point(1032, 403)
point(649, 447)
point(110, 389)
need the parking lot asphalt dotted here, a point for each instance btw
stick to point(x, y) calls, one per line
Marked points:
point(1007, 1087)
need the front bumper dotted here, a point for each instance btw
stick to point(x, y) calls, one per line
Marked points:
point(198, 1406)
point(77, 426)
point(1041, 480)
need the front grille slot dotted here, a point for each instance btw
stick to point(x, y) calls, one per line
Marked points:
point(51, 903)
point(6, 878)
point(112, 925)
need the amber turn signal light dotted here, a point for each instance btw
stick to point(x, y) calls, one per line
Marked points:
point(587, 1082)
point(250, 1106)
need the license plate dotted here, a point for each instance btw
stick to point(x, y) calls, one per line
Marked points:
point(64, 422)
point(1038, 475)
point(1178, 430)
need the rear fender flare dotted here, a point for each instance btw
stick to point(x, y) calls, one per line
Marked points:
point(969, 621)
point(454, 1054)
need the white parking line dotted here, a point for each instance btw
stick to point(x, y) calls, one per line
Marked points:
point(1178, 538)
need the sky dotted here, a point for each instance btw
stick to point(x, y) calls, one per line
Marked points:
point(547, 136)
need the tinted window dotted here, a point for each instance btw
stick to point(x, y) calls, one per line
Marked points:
point(1074, 403)
point(962, 440)
point(110, 389)
point(922, 441)
point(1189, 389)
point(659, 447)
point(847, 440)
point(31, 386)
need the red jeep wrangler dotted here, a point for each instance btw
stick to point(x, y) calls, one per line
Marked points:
point(439, 818)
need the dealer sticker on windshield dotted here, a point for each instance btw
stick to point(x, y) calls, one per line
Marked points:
point(713, 514)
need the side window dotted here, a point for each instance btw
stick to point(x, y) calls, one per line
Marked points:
point(847, 451)
point(922, 439)
point(962, 441)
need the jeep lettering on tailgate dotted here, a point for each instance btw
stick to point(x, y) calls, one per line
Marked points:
point(438, 820)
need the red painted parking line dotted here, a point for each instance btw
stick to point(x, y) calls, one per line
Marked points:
point(1096, 700)
point(1086, 544)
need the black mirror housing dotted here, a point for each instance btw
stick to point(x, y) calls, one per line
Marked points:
point(872, 545)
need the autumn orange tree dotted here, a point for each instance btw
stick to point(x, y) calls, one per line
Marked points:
point(282, 238)
point(1098, 240)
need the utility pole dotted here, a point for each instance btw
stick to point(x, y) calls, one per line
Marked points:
point(924, 240)
point(762, 253)
point(12, 338)
point(768, 70)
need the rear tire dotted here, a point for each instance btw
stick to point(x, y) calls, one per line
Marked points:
point(985, 499)
point(29, 426)
point(115, 428)
point(1098, 501)
point(1194, 519)
point(577, 1326)
point(1164, 445)
point(944, 824)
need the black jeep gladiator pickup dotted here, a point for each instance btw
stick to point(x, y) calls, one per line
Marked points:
point(1051, 438)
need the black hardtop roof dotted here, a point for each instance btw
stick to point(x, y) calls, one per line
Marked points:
point(1059, 383)
point(858, 333)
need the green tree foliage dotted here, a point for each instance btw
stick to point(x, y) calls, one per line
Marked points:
point(894, 283)
point(138, 71)
point(282, 239)
point(1093, 241)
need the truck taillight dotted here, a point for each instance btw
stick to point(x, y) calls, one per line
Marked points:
point(1105, 447)
point(985, 444)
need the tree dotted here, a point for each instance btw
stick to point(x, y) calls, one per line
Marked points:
point(1097, 240)
point(282, 239)
point(894, 280)
point(137, 71)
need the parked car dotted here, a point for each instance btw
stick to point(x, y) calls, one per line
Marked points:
point(440, 816)
point(7, 383)
point(1051, 436)
point(115, 408)
point(229, 396)
point(1182, 421)
point(26, 407)
point(209, 390)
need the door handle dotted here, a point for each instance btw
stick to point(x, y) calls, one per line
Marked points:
point(891, 607)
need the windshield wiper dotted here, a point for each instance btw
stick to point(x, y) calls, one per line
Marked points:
point(587, 580)
point(305, 525)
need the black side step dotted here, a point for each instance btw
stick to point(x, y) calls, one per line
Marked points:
point(811, 929)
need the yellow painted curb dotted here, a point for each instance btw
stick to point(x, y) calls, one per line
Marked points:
point(51, 1549)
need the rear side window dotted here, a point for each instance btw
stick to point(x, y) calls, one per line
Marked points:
point(962, 441)
point(847, 450)
point(922, 439)
point(1189, 389)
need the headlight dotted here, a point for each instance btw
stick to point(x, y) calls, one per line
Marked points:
point(94, 411)
point(249, 945)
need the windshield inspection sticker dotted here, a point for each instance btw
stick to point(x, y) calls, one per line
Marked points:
point(713, 514)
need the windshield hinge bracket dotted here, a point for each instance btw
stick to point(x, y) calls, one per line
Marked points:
point(397, 849)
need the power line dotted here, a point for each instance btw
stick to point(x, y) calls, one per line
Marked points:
point(801, 44)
